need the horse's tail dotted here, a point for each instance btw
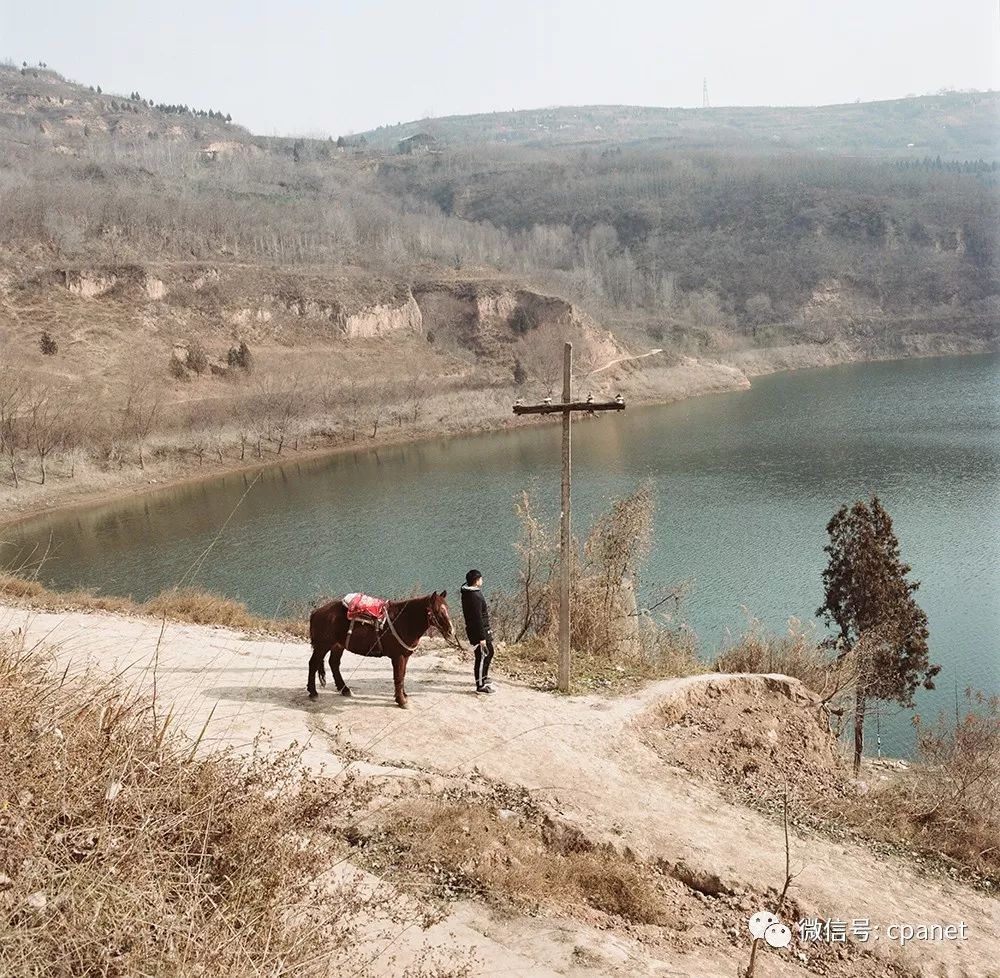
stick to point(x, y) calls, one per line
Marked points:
point(323, 626)
point(315, 630)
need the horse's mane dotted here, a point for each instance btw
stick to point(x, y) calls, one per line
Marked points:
point(422, 599)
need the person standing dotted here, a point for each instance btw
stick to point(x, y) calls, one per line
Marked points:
point(477, 627)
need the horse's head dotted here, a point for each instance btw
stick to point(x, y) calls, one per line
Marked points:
point(438, 616)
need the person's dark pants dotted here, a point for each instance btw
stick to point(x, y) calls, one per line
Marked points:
point(484, 656)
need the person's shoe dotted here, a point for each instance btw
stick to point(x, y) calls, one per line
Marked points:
point(485, 688)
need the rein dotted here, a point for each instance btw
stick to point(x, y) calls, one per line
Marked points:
point(395, 634)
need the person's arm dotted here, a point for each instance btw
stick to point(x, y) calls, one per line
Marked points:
point(487, 631)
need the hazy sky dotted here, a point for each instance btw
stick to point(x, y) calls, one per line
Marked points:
point(333, 67)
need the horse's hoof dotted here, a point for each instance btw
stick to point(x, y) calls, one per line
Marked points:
point(313, 695)
point(322, 680)
point(346, 691)
point(403, 706)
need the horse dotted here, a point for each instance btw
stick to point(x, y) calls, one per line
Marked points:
point(407, 623)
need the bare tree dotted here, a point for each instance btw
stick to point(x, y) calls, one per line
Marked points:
point(46, 424)
point(538, 557)
point(139, 412)
point(13, 392)
point(289, 407)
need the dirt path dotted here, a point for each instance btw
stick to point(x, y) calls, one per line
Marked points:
point(582, 757)
point(611, 363)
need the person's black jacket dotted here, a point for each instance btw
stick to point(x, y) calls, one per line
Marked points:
point(476, 613)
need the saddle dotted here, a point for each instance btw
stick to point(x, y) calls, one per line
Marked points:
point(365, 609)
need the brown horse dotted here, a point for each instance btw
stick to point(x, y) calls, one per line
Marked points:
point(408, 622)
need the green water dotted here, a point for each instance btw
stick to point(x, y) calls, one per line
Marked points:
point(745, 485)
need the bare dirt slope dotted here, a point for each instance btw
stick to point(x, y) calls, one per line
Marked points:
point(587, 761)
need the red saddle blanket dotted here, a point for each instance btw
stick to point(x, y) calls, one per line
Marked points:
point(364, 606)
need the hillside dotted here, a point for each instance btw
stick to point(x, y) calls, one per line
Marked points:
point(39, 108)
point(177, 293)
point(960, 126)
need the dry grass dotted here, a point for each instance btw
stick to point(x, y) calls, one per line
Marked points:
point(124, 854)
point(202, 608)
point(795, 654)
point(187, 605)
point(463, 849)
point(664, 655)
point(948, 803)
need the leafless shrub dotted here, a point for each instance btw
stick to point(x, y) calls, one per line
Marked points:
point(613, 637)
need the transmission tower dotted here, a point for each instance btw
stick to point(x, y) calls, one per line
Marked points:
point(705, 104)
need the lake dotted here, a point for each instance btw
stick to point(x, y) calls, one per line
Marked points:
point(745, 485)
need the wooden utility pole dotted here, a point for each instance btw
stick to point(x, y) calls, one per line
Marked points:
point(566, 408)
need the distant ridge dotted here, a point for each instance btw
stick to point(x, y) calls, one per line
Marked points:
point(957, 125)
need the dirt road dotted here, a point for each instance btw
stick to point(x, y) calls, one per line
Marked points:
point(581, 757)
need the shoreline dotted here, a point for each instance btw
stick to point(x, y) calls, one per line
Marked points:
point(741, 366)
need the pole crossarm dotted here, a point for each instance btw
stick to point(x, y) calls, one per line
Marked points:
point(559, 408)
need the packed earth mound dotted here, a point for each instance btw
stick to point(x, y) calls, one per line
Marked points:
point(756, 732)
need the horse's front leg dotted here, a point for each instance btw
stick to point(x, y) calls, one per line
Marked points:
point(398, 675)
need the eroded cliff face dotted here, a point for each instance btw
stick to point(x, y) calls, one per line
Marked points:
point(259, 306)
point(486, 320)
point(384, 319)
point(493, 320)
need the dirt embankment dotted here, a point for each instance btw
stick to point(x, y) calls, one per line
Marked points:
point(551, 835)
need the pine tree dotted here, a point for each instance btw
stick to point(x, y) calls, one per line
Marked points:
point(869, 598)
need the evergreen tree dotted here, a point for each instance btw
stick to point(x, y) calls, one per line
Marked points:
point(869, 598)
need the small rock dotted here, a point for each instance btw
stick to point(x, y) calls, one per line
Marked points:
point(5, 882)
point(37, 901)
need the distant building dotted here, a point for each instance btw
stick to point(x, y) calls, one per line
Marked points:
point(419, 142)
